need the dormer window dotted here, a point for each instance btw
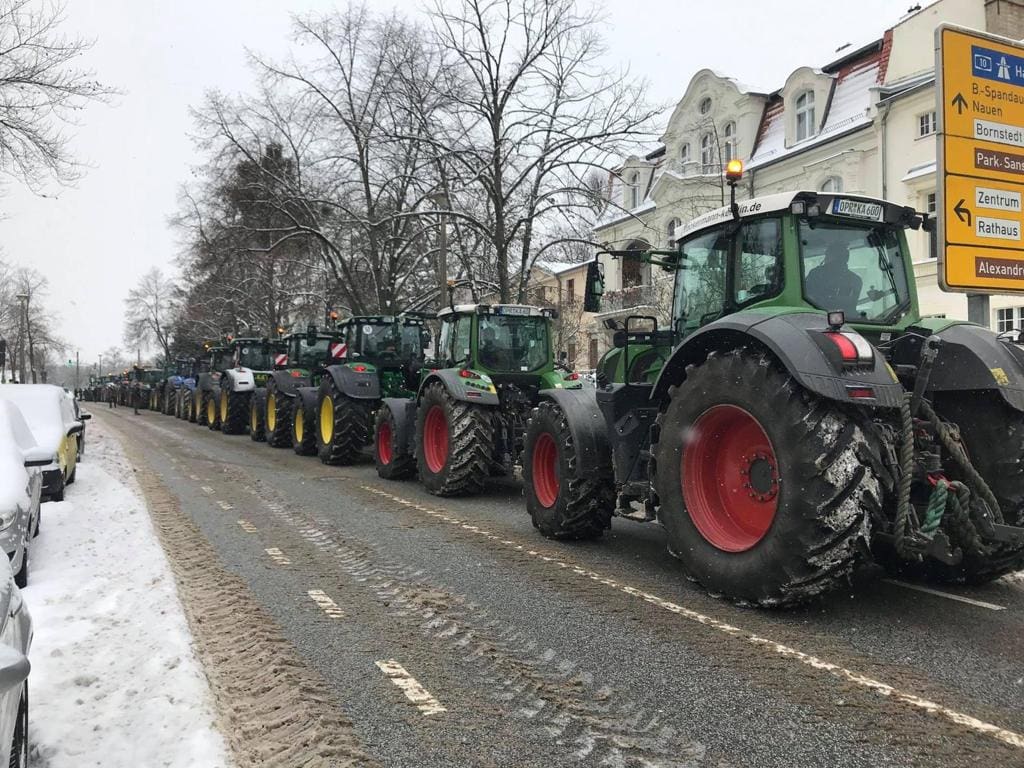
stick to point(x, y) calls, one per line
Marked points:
point(805, 125)
point(729, 145)
point(634, 189)
point(707, 153)
point(705, 105)
point(673, 226)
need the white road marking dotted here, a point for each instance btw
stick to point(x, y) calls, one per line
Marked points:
point(247, 526)
point(206, 489)
point(413, 691)
point(193, 477)
point(224, 505)
point(278, 556)
point(947, 595)
point(327, 605)
point(1012, 738)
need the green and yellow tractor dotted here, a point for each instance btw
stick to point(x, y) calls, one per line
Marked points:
point(798, 416)
point(465, 420)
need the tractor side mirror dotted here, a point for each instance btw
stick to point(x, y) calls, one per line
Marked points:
point(595, 287)
point(310, 335)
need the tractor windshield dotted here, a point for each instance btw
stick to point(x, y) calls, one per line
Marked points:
point(224, 360)
point(391, 339)
point(310, 356)
point(255, 356)
point(513, 344)
point(857, 269)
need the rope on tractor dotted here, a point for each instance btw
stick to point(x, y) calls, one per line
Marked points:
point(906, 458)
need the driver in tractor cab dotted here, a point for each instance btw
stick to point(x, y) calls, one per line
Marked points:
point(490, 355)
point(832, 284)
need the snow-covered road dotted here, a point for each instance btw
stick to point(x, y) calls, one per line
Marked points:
point(115, 681)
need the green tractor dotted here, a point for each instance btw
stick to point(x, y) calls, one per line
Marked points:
point(798, 418)
point(206, 396)
point(251, 363)
point(299, 365)
point(371, 357)
point(466, 420)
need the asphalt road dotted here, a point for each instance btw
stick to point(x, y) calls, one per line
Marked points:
point(454, 635)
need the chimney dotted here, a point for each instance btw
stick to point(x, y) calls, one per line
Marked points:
point(1005, 17)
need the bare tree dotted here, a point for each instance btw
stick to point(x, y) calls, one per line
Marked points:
point(40, 91)
point(149, 313)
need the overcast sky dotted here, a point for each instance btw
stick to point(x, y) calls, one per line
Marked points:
point(94, 241)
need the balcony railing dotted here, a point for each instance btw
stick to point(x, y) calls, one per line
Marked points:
point(627, 298)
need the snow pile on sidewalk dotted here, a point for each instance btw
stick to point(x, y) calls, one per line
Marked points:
point(114, 682)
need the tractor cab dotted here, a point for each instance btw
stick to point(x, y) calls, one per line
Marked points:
point(309, 352)
point(392, 346)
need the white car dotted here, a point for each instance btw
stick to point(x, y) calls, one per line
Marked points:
point(15, 641)
point(21, 485)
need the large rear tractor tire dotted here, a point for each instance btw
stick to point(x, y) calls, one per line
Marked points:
point(257, 412)
point(392, 457)
point(170, 401)
point(188, 409)
point(562, 504)
point(278, 419)
point(343, 425)
point(763, 495)
point(213, 409)
point(201, 396)
point(234, 412)
point(303, 423)
point(993, 434)
point(454, 444)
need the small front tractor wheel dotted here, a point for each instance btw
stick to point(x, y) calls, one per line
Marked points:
point(763, 495)
point(454, 443)
point(343, 425)
point(278, 419)
point(392, 457)
point(234, 412)
point(562, 504)
point(303, 428)
point(257, 412)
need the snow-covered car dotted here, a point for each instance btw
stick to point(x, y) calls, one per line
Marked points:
point(20, 488)
point(81, 416)
point(15, 641)
point(51, 417)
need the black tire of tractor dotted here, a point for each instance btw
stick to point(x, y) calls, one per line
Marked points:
point(170, 401)
point(200, 396)
point(281, 435)
point(582, 507)
point(304, 445)
point(993, 434)
point(820, 527)
point(349, 430)
point(470, 439)
point(257, 412)
point(237, 420)
point(395, 462)
point(213, 397)
point(188, 411)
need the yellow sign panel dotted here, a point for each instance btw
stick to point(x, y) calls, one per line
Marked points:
point(981, 161)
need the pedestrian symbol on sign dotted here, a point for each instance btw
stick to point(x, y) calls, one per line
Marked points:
point(1004, 69)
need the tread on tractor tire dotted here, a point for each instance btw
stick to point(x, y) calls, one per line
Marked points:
point(170, 402)
point(278, 419)
point(993, 434)
point(342, 425)
point(454, 443)
point(561, 504)
point(234, 412)
point(303, 429)
point(393, 460)
point(257, 412)
point(763, 495)
point(200, 407)
point(188, 411)
point(213, 410)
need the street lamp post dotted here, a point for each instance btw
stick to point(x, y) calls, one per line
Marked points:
point(440, 201)
point(23, 300)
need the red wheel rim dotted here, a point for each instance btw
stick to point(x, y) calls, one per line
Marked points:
point(730, 478)
point(435, 439)
point(545, 470)
point(384, 450)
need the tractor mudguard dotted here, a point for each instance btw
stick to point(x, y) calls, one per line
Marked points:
point(789, 339)
point(460, 389)
point(287, 384)
point(238, 380)
point(971, 358)
point(404, 411)
point(588, 429)
point(361, 385)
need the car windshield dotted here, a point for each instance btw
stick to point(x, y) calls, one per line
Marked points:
point(857, 269)
point(386, 339)
point(513, 344)
point(255, 355)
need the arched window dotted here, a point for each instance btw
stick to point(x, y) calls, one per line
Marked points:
point(671, 229)
point(707, 153)
point(633, 194)
point(805, 125)
point(832, 184)
point(729, 145)
point(684, 155)
point(705, 105)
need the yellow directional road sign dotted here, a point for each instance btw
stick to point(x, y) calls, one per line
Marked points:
point(980, 90)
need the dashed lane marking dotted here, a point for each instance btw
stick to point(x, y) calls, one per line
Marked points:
point(327, 605)
point(247, 526)
point(224, 505)
point(278, 556)
point(206, 489)
point(947, 595)
point(413, 691)
point(1012, 738)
